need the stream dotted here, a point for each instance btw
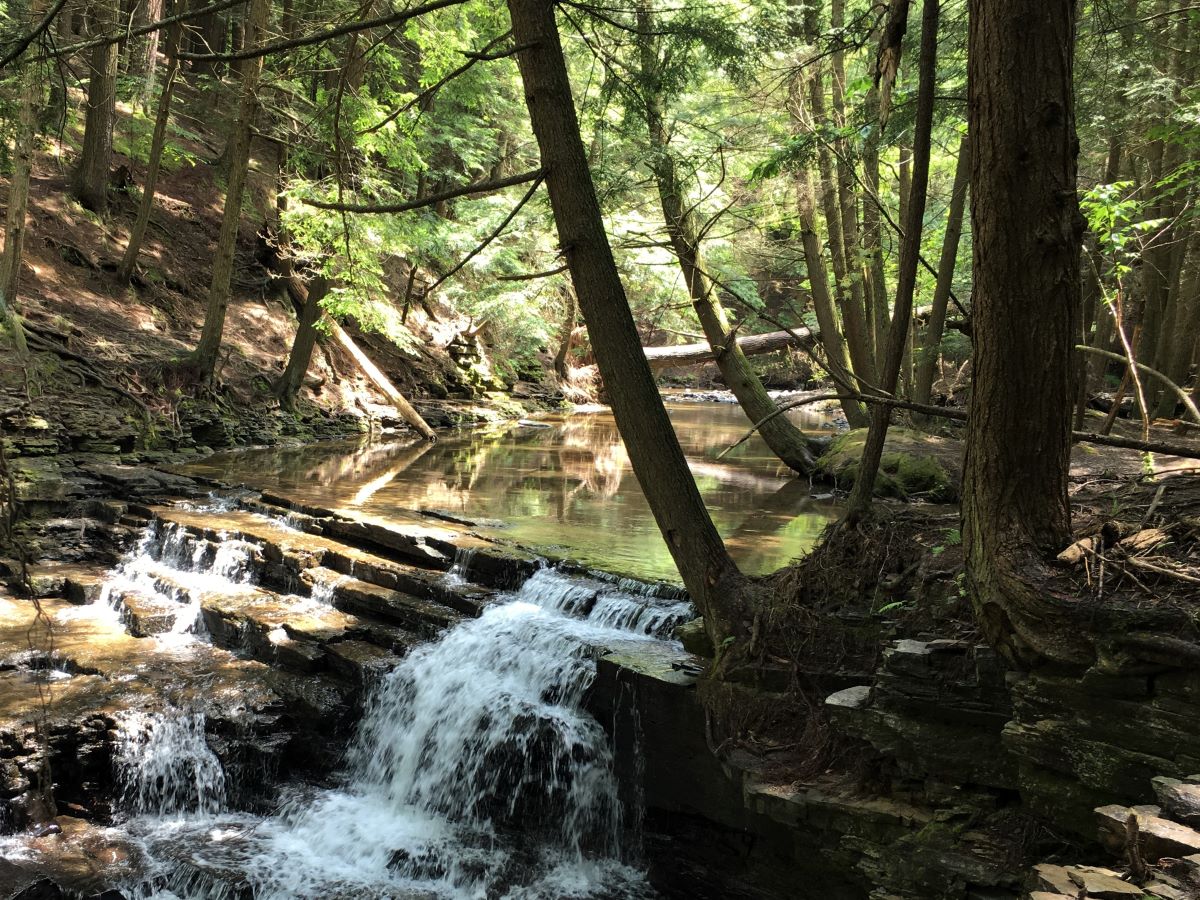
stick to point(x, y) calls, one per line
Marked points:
point(475, 770)
point(565, 489)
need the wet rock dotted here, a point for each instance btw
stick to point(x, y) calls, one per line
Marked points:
point(1179, 800)
point(361, 662)
point(141, 482)
point(695, 638)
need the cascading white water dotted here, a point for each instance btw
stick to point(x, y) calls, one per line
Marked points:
point(171, 565)
point(475, 772)
point(165, 767)
point(460, 567)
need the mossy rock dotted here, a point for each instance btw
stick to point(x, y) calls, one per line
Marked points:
point(914, 465)
point(695, 638)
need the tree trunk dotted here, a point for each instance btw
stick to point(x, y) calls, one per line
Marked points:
point(718, 589)
point(138, 232)
point(89, 182)
point(143, 51)
point(1027, 232)
point(837, 354)
point(204, 357)
point(1172, 353)
point(852, 316)
point(910, 251)
point(930, 350)
point(860, 326)
point(567, 333)
point(382, 382)
point(288, 386)
point(784, 439)
point(18, 195)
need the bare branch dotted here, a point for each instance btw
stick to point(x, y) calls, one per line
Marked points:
point(470, 190)
point(322, 36)
point(23, 43)
point(491, 237)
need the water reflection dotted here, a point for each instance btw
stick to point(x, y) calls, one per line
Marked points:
point(567, 488)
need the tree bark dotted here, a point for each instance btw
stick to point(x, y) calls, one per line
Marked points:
point(18, 195)
point(1026, 298)
point(783, 438)
point(930, 349)
point(910, 251)
point(89, 182)
point(138, 233)
point(749, 345)
point(204, 357)
point(567, 333)
point(718, 589)
point(837, 353)
point(287, 388)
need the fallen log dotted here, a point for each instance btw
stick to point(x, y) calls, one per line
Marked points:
point(751, 345)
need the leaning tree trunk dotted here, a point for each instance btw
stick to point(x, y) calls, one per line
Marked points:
point(287, 388)
point(930, 348)
point(1026, 299)
point(18, 195)
point(89, 183)
point(566, 335)
point(719, 590)
point(204, 357)
point(783, 438)
point(138, 233)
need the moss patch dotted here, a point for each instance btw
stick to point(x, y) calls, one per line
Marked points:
point(914, 465)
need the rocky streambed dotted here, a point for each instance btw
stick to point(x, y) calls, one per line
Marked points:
point(229, 658)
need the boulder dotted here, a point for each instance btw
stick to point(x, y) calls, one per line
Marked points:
point(1180, 800)
point(913, 464)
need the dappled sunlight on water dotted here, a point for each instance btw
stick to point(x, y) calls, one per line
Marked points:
point(566, 489)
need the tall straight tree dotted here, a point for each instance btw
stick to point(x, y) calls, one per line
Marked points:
point(89, 183)
point(785, 439)
point(910, 251)
point(1026, 306)
point(162, 119)
point(204, 357)
point(720, 591)
point(18, 193)
point(928, 356)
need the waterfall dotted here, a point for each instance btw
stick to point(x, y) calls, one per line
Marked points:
point(460, 567)
point(475, 772)
point(173, 568)
point(164, 765)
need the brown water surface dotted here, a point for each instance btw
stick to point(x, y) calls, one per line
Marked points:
point(567, 489)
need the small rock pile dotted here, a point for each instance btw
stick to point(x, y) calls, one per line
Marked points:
point(1159, 843)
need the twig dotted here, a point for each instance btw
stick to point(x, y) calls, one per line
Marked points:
point(1140, 563)
point(1171, 385)
point(959, 415)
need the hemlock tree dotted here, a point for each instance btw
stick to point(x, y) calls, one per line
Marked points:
point(683, 230)
point(89, 182)
point(204, 357)
point(1026, 306)
point(721, 592)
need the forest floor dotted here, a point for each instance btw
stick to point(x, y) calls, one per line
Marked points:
point(102, 347)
